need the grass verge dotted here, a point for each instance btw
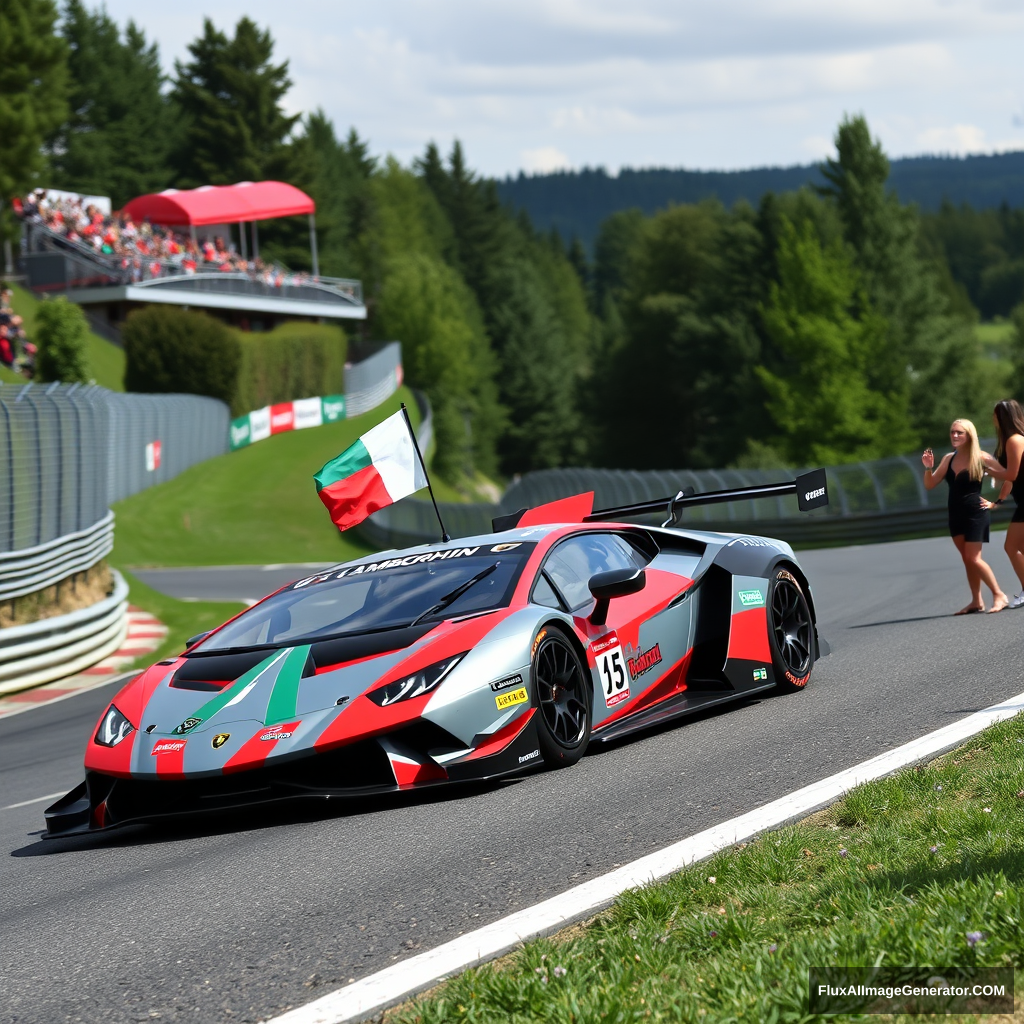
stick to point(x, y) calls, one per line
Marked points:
point(254, 506)
point(918, 875)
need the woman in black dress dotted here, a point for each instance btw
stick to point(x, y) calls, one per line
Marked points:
point(963, 469)
point(1008, 418)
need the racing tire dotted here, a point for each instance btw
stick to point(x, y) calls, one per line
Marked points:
point(790, 632)
point(561, 695)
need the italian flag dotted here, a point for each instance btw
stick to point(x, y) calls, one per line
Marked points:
point(381, 467)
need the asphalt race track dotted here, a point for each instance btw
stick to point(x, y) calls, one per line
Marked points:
point(226, 583)
point(237, 919)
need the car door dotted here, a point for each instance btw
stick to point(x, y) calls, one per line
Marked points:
point(633, 652)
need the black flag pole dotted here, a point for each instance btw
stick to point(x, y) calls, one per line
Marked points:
point(419, 455)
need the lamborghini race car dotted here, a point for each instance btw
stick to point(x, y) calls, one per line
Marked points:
point(463, 660)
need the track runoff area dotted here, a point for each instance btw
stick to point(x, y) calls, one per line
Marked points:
point(328, 916)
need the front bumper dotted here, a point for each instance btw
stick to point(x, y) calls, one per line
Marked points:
point(361, 769)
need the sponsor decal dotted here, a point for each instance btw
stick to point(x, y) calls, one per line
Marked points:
point(751, 598)
point(536, 641)
point(751, 542)
point(810, 495)
point(644, 661)
point(259, 424)
point(611, 669)
point(277, 732)
point(333, 408)
point(511, 698)
point(308, 413)
point(239, 435)
point(168, 746)
point(529, 757)
point(153, 456)
point(498, 548)
point(189, 723)
point(219, 740)
point(504, 684)
point(389, 563)
point(282, 417)
point(760, 674)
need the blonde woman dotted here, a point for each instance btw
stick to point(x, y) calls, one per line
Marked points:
point(963, 470)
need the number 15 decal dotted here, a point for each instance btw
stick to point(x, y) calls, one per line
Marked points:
point(611, 667)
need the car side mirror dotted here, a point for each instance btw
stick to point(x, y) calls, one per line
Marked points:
point(195, 639)
point(614, 583)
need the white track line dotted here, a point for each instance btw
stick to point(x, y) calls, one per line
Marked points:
point(371, 995)
point(34, 800)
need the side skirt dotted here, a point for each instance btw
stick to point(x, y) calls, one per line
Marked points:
point(686, 703)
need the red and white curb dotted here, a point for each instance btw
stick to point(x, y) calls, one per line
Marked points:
point(145, 634)
point(369, 996)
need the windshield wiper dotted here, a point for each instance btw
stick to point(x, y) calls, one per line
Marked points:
point(452, 597)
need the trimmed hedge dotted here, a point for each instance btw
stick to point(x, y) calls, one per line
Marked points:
point(172, 350)
point(295, 360)
point(169, 349)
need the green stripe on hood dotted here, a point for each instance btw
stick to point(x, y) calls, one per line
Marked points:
point(236, 691)
point(285, 695)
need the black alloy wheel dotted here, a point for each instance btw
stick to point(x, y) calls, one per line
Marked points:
point(562, 697)
point(790, 632)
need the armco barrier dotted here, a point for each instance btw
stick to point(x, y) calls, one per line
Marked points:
point(54, 648)
point(31, 569)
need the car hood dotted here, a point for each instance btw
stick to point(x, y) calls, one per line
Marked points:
point(232, 711)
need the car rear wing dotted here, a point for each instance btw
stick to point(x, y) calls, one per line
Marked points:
point(811, 490)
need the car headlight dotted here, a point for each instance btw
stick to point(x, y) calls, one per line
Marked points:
point(114, 728)
point(417, 684)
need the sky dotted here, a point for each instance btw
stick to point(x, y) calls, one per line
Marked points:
point(539, 85)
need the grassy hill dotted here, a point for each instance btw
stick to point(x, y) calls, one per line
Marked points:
point(254, 506)
point(105, 360)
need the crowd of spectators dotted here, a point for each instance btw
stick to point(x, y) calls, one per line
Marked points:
point(143, 250)
point(16, 351)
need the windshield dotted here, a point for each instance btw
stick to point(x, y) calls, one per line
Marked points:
point(379, 595)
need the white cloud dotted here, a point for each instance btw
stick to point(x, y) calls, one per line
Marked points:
point(658, 82)
point(544, 159)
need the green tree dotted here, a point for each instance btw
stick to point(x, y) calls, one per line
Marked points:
point(822, 401)
point(426, 304)
point(1016, 381)
point(180, 351)
point(230, 93)
point(678, 389)
point(61, 331)
point(535, 314)
point(33, 85)
point(926, 343)
point(417, 297)
point(121, 128)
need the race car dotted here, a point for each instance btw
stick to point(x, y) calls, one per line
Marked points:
point(462, 660)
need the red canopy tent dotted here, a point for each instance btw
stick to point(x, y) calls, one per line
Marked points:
point(248, 201)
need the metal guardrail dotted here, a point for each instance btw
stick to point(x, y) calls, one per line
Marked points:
point(54, 648)
point(374, 379)
point(870, 502)
point(26, 571)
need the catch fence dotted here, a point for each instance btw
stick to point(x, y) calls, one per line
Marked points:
point(880, 500)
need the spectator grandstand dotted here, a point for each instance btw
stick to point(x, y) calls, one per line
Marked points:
point(176, 247)
point(143, 250)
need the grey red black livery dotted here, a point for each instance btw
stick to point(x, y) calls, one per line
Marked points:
point(464, 660)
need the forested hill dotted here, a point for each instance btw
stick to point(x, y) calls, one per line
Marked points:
point(576, 202)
